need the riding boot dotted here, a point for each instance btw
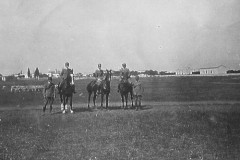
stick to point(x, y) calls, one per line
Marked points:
point(118, 88)
point(50, 109)
point(73, 87)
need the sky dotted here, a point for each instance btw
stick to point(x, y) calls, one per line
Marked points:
point(163, 35)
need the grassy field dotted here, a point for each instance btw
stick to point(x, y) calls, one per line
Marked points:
point(158, 89)
point(166, 132)
point(182, 118)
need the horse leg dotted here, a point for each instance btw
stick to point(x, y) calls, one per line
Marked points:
point(122, 97)
point(102, 97)
point(61, 99)
point(107, 96)
point(131, 95)
point(89, 97)
point(64, 103)
point(126, 100)
point(94, 99)
point(71, 110)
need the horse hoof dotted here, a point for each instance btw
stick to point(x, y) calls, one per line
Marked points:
point(71, 111)
point(64, 112)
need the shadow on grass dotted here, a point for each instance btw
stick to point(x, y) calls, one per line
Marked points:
point(146, 107)
point(85, 109)
point(143, 107)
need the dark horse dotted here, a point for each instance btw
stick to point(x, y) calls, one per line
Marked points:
point(66, 93)
point(124, 89)
point(92, 87)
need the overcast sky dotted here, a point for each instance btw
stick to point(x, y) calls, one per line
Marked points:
point(145, 34)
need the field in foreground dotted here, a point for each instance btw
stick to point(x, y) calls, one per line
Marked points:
point(169, 131)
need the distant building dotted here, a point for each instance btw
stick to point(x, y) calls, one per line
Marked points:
point(184, 71)
point(214, 70)
point(54, 74)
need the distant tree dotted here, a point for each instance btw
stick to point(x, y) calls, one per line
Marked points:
point(151, 72)
point(36, 73)
point(28, 73)
point(116, 73)
point(43, 75)
point(134, 73)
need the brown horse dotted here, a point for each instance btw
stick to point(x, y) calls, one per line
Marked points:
point(125, 88)
point(66, 93)
point(92, 87)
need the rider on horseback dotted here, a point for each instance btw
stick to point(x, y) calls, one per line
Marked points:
point(99, 78)
point(124, 75)
point(67, 77)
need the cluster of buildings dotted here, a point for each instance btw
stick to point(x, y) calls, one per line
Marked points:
point(203, 71)
point(219, 70)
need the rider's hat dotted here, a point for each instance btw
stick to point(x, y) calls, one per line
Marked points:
point(66, 64)
point(124, 64)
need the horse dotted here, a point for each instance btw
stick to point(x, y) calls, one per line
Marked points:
point(124, 89)
point(92, 87)
point(66, 93)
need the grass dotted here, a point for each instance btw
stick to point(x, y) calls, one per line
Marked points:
point(183, 118)
point(157, 132)
point(158, 89)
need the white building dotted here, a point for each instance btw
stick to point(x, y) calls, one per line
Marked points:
point(214, 70)
point(184, 71)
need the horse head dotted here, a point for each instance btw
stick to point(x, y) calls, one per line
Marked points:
point(106, 81)
point(108, 75)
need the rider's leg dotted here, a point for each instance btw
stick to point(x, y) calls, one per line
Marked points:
point(72, 83)
point(118, 87)
point(45, 105)
point(73, 87)
point(51, 102)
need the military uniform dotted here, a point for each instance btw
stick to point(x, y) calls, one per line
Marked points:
point(137, 93)
point(49, 94)
point(66, 74)
point(66, 78)
point(99, 76)
point(124, 75)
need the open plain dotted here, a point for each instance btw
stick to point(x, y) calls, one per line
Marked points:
point(188, 117)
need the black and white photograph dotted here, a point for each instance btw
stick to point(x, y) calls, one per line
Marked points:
point(119, 80)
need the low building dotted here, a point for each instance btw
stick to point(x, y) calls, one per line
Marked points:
point(214, 70)
point(184, 71)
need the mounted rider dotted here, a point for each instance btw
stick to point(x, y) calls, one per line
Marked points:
point(99, 75)
point(124, 75)
point(67, 77)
